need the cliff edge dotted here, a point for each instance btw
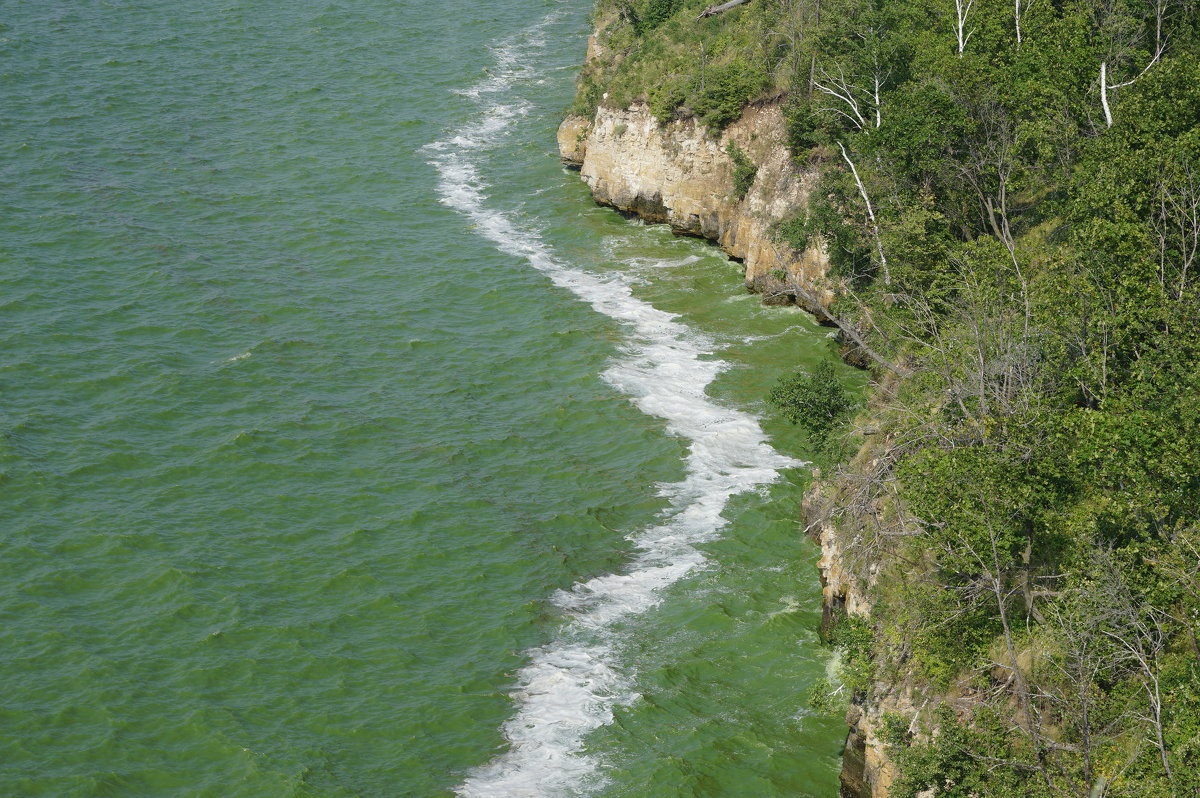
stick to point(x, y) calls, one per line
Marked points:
point(678, 174)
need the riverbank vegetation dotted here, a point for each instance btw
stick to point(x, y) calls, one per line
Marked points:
point(1010, 199)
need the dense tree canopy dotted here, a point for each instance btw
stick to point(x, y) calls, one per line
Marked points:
point(1030, 253)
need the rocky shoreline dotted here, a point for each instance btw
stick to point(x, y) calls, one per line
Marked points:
point(678, 174)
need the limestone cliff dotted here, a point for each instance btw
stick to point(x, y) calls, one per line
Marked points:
point(681, 175)
point(852, 515)
point(867, 769)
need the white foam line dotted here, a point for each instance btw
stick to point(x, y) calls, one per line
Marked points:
point(572, 685)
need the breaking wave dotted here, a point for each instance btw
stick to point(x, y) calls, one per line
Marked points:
point(572, 685)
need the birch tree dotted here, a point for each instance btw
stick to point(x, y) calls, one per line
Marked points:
point(855, 83)
point(874, 222)
point(1123, 37)
point(962, 13)
point(1175, 220)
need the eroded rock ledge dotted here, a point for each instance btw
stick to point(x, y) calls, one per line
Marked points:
point(867, 769)
point(679, 175)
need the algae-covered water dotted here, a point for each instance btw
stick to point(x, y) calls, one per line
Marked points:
point(346, 449)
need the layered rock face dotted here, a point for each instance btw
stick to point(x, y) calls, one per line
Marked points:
point(679, 175)
point(840, 516)
point(867, 770)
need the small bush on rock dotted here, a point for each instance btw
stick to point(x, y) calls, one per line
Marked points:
point(744, 170)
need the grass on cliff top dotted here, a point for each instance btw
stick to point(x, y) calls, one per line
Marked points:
point(658, 52)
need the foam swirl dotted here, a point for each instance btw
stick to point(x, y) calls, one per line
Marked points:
point(572, 685)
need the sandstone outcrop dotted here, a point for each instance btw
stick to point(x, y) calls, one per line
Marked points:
point(679, 174)
point(867, 769)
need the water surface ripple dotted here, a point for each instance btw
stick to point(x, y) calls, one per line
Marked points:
point(571, 684)
point(310, 485)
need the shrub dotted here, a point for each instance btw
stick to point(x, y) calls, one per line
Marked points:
point(893, 730)
point(727, 89)
point(656, 13)
point(847, 244)
point(854, 637)
point(815, 401)
point(587, 95)
point(823, 698)
point(796, 232)
point(804, 129)
point(744, 170)
point(665, 98)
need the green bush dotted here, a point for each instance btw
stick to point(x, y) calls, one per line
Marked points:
point(796, 232)
point(847, 244)
point(655, 13)
point(727, 89)
point(855, 638)
point(893, 731)
point(954, 763)
point(587, 95)
point(822, 698)
point(665, 98)
point(744, 170)
point(815, 401)
point(804, 129)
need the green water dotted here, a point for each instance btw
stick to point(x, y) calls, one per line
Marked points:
point(303, 444)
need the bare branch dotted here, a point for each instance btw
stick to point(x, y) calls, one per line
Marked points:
point(883, 264)
point(712, 11)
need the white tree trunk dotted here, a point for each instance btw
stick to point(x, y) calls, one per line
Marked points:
point(1105, 88)
point(1104, 93)
point(883, 264)
point(713, 10)
point(961, 12)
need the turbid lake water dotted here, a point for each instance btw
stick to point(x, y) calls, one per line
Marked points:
point(347, 449)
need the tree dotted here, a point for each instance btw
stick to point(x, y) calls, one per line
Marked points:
point(962, 13)
point(815, 400)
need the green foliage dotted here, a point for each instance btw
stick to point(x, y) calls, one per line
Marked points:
point(796, 232)
point(804, 129)
point(1041, 286)
point(665, 98)
point(815, 400)
point(655, 13)
point(847, 241)
point(587, 95)
point(919, 241)
point(744, 169)
point(957, 763)
point(893, 730)
point(727, 89)
point(854, 638)
point(660, 53)
point(944, 631)
point(824, 698)
point(925, 124)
